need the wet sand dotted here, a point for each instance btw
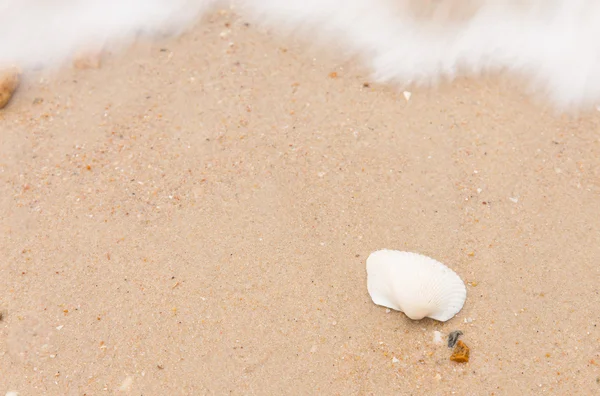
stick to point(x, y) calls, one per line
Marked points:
point(194, 218)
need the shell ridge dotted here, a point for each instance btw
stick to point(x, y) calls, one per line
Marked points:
point(421, 285)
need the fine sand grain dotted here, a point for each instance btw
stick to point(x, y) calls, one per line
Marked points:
point(194, 217)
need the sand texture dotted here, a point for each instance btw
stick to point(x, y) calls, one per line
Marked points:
point(194, 216)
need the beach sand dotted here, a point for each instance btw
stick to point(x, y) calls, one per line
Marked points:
point(194, 217)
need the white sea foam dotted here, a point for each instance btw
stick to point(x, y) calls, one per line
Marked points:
point(49, 32)
point(552, 43)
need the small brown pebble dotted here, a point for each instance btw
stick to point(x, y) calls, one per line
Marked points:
point(37, 101)
point(461, 353)
point(160, 366)
point(366, 85)
point(333, 75)
point(9, 82)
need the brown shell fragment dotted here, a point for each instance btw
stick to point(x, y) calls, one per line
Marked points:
point(9, 81)
point(461, 353)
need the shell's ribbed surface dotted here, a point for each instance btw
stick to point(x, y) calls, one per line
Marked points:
point(414, 284)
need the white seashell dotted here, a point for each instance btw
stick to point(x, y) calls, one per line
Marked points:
point(414, 284)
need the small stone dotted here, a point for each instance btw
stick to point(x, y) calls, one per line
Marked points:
point(437, 338)
point(453, 337)
point(513, 199)
point(461, 353)
point(407, 95)
point(395, 360)
point(9, 82)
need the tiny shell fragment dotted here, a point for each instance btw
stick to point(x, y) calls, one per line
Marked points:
point(9, 81)
point(461, 353)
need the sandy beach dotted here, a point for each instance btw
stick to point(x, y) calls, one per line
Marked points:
point(194, 216)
